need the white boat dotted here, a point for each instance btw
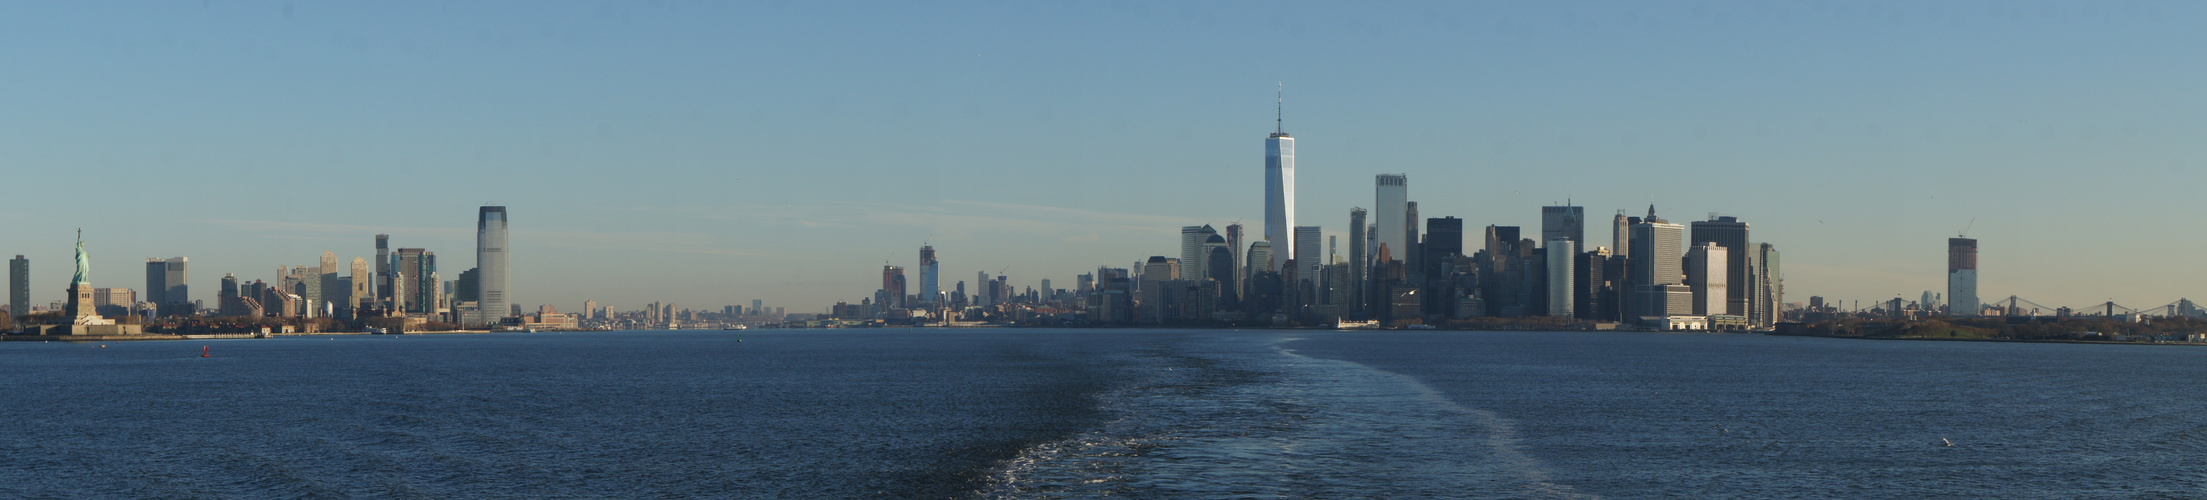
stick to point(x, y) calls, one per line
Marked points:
point(1356, 325)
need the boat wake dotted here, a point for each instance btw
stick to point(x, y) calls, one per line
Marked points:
point(1248, 417)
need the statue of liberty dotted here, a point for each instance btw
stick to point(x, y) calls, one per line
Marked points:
point(84, 263)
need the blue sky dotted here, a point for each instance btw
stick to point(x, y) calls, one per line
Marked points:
point(713, 153)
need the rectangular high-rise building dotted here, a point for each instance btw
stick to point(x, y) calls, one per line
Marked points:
point(1309, 256)
point(491, 264)
point(1359, 261)
point(19, 286)
point(1728, 232)
point(931, 289)
point(1961, 276)
point(1567, 222)
point(1392, 200)
point(415, 273)
point(1194, 256)
point(892, 282)
point(1770, 287)
point(1234, 245)
point(383, 284)
point(167, 286)
point(1657, 247)
point(1708, 278)
point(1279, 196)
point(1444, 238)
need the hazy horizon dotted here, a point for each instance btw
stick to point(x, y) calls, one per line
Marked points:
point(712, 154)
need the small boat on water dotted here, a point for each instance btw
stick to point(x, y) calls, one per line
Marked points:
point(1356, 325)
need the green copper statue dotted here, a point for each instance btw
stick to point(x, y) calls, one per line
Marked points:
point(84, 264)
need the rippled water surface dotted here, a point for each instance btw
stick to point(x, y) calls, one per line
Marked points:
point(1012, 413)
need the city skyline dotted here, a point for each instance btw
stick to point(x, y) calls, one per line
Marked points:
point(1846, 134)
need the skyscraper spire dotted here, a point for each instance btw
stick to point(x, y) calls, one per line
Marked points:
point(1279, 109)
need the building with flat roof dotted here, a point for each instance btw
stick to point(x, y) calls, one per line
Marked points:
point(1961, 276)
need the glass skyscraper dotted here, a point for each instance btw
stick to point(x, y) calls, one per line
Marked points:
point(1279, 197)
point(490, 263)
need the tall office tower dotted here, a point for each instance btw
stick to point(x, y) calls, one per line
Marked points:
point(1193, 255)
point(892, 281)
point(415, 274)
point(1279, 196)
point(981, 296)
point(1444, 240)
point(334, 289)
point(931, 290)
point(1391, 198)
point(1563, 283)
point(490, 259)
point(1567, 221)
point(1309, 257)
point(226, 297)
point(1259, 260)
point(1358, 260)
point(1961, 276)
point(1771, 286)
point(19, 286)
point(1620, 239)
point(1215, 241)
point(1707, 277)
point(1409, 253)
point(1155, 272)
point(383, 283)
point(1233, 243)
point(1657, 246)
point(360, 284)
point(1220, 263)
point(157, 278)
point(756, 304)
point(1587, 297)
point(167, 286)
point(1730, 233)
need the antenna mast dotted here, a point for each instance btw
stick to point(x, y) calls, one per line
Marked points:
point(1279, 106)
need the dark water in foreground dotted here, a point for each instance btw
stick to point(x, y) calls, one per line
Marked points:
point(1088, 413)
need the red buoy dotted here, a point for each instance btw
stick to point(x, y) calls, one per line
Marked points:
point(203, 352)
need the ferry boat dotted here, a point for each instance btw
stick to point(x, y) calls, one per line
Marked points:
point(1356, 325)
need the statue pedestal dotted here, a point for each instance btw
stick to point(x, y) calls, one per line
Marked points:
point(80, 303)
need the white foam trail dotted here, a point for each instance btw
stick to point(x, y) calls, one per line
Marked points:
point(1501, 432)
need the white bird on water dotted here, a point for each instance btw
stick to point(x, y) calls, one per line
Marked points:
point(1947, 441)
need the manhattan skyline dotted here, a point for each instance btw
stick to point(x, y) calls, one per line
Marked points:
point(730, 153)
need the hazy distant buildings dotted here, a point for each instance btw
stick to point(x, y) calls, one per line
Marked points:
point(167, 286)
point(1961, 276)
point(19, 286)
